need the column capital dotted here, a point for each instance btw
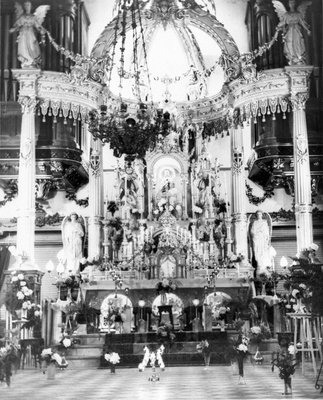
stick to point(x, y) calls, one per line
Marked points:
point(28, 104)
point(27, 79)
point(298, 101)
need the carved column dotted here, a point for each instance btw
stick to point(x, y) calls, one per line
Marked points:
point(238, 188)
point(302, 174)
point(27, 169)
point(95, 198)
point(184, 179)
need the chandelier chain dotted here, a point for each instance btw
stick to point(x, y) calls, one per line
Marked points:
point(114, 43)
point(123, 42)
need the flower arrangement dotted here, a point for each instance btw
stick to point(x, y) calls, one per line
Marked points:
point(8, 357)
point(112, 358)
point(33, 317)
point(241, 347)
point(165, 334)
point(219, 306)
point(18, 293)
point(165, 286)
point(51, 356)
point(286, 363)
point(203, 347)
point(70, 281)
point(303, 281)
point(258, 333)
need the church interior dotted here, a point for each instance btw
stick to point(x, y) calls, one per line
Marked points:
point(161, 191)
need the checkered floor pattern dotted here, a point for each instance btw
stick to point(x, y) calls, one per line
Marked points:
point(178, 383)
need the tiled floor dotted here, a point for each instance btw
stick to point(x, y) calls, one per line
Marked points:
point(177, 383)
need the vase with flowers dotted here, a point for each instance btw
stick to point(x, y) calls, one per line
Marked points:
point(9, 357)
point(113, 359)
point(51, 359)
point(286, 362)
point(256, 335)
point(241, 350)
point(304, 282)
point(204, 348)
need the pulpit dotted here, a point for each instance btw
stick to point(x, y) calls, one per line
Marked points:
point(165, 309)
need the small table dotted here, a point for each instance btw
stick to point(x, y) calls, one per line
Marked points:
point(167, 309)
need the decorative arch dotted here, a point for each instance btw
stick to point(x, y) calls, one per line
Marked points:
point(207, 22)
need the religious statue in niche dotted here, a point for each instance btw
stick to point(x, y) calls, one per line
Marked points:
point(168, 266)
point(27, 25)
point(167, 192)
point(260, 239)
point(73, 231)
point(128, 191)
point(291, 23)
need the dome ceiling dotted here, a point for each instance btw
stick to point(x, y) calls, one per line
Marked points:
point(175, 55)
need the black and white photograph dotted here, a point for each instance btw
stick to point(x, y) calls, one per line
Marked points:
point(161, 199)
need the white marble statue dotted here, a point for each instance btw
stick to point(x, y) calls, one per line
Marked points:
point(291, 23)
point(27, 25)
point(73, 239)
point(260, 235)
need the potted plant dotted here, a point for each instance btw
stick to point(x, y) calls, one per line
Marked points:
point(205, 349)
point(286, 362)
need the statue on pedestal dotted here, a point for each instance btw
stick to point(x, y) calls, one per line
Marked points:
point(260, 239)
point(26, 25)
point(73, 239)
point(291, 24)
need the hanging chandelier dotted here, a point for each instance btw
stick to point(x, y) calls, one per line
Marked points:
point(128, 134)
point(135, 132)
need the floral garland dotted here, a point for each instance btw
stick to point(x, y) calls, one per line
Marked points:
point(269, 192)
point(82, 202)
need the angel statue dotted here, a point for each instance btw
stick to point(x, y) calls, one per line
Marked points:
point(27, 25)
point(260, 238)
point(73, 239)
point(290, 23)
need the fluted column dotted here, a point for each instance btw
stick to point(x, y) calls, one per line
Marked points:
point(27, 169)
point(302, 174)
point(238, 189)
point(95, 198)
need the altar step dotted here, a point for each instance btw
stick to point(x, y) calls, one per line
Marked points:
point(88, 353)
